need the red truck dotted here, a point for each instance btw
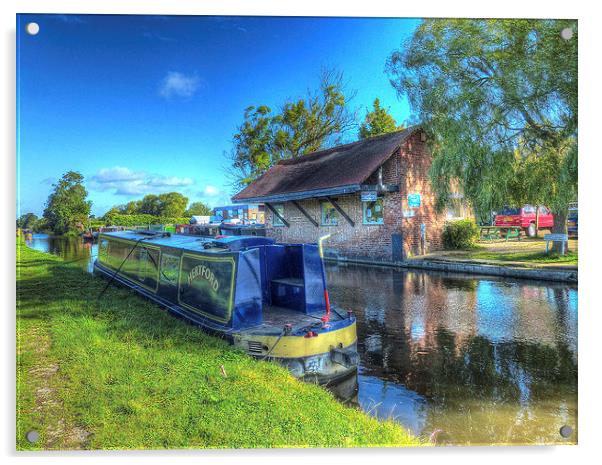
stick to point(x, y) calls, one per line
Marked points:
point(525, 218)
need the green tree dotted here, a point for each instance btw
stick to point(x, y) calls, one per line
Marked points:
point(498, 99)
point(67, 207)
point(172, 204)
point(198, 208)
point(299, 127)
point(150, 205)
point(27, 221)
point(130, 208)
point(378, 121)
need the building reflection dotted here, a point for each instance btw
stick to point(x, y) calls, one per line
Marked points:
point(484, 360)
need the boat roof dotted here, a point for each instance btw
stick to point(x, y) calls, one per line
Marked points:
point(194, 243)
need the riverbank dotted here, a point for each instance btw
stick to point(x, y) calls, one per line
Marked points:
point(517, 259)
point(120, 373)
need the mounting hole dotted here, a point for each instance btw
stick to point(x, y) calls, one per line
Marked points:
point(567, 33)
point(32, 28)
point(32, 436)
point(566, 431)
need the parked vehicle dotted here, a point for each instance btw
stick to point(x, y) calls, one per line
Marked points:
point(572, 222)
point(525, 218)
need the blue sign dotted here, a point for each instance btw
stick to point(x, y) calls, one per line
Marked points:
point(414, 200)
point(369, 196)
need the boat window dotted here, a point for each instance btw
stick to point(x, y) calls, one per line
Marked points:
point(280, 209)
point(329, 214)
point(140, 265)
point(373, 212)
point(143, 264)
point(170, 268)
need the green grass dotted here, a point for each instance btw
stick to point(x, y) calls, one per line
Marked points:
point(123, 374)
point(571, 258)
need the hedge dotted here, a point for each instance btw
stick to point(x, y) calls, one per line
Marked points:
point(141, 220)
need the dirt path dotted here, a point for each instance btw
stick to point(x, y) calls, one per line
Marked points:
point(41, 379)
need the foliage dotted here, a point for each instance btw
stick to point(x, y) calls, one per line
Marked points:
point(170, 204)
point(141, 219)
point(498, 99)
point(67, 208)
point(299, 127)
point(121, 373)
point(378, 121)
point(460, 234)
point(27, 221)
point(198, 208)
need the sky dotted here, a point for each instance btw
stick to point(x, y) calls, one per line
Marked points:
point(149, 104)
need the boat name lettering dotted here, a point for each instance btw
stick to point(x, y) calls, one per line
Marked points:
point(206, 273)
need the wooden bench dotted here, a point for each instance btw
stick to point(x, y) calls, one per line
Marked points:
point(563, 238)
point(495, 232)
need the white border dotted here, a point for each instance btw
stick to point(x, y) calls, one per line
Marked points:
point(590, 153)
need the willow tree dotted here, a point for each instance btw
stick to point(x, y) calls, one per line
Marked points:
point(498, 99)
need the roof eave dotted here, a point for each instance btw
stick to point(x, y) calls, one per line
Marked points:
point(288, 196)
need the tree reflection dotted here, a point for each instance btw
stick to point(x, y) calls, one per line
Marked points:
point(496, 360)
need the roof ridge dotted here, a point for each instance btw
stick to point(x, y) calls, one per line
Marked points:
point(344, 165)
point(336, 148)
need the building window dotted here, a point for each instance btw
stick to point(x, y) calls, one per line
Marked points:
point(373, 212)
point(329, 214)
point(454, 212)
point(280, 209)
point(457, 210)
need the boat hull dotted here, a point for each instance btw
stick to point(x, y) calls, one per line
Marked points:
point(327, 357)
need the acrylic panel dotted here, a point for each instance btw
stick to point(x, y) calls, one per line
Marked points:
point(269, 232)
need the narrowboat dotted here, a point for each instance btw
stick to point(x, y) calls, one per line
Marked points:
point(268, 299)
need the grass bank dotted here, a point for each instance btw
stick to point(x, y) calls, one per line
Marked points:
point(570, 258)
point(527, 252)
point(120, 373)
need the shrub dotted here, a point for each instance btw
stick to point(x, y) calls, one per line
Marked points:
point(140, 219)
point(460, 234)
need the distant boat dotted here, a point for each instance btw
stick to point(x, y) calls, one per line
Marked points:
point(268, 299)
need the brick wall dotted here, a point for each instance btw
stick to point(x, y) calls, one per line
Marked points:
point(408, 169)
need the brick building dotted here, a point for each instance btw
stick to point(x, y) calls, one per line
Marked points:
point(372, 196)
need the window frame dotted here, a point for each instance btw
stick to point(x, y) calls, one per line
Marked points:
point(323, 203)
point(364, 218)
point(277, 222)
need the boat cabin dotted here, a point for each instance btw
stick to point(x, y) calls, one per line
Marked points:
point(230, 282)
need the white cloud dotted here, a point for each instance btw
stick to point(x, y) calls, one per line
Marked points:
point(211, 191)
point(123, 181)
point(177, 84)
point(210, 194)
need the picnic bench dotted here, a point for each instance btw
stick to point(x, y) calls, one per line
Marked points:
point(500, 232)
point(563, 238)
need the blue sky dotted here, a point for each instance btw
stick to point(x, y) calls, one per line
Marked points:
point(149, 104)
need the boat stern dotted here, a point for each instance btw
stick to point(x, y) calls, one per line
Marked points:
point(321, 353)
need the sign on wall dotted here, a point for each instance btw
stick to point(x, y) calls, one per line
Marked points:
point(414, 200)
point(369, 196)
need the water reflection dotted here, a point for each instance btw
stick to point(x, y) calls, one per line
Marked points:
point(71, 249)
point(477, 360)
point(474, 360)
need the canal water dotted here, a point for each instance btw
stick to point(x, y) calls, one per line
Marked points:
point(461, 359)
